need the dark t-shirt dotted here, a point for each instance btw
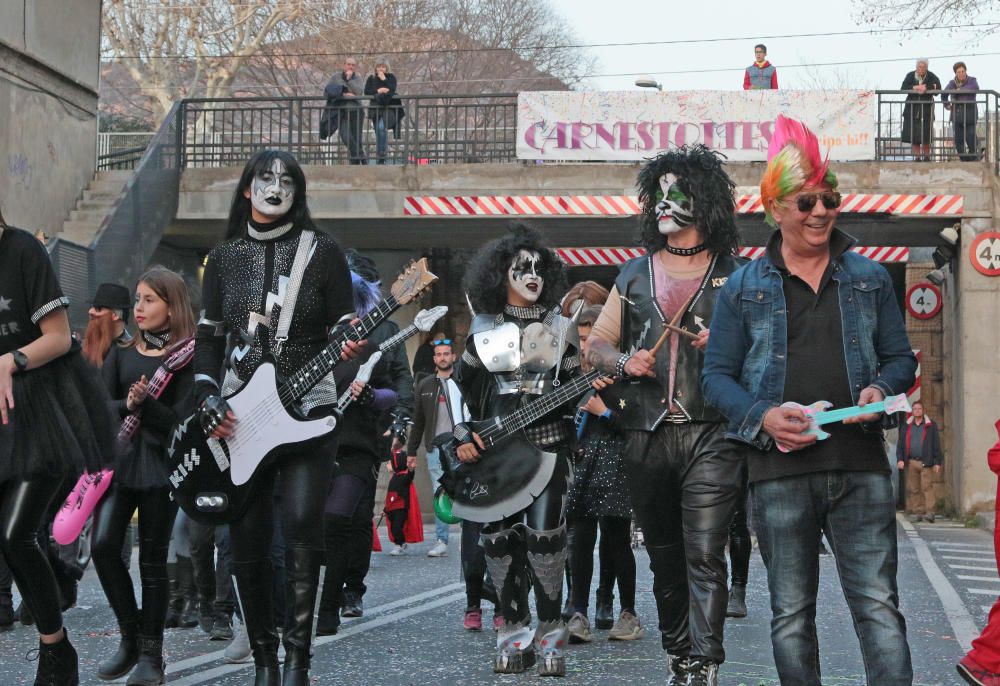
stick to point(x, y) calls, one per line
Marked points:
point(29, 289)
point(817, 370)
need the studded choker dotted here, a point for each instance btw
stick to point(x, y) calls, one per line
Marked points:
point(685, 252)
point(156, 339)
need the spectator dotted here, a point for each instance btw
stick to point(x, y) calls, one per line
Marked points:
point(386, 110)
point(811, 319)
point(918, 113)
point(761, 75)
point(981, 665)
point(963, 112)
point(919, 453)
point(423, 359)
point(342, 93)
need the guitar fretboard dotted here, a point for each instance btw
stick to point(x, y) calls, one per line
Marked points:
point(846, 412)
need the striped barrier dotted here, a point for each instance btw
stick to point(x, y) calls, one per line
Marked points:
point(598, 257)
point(628, 205)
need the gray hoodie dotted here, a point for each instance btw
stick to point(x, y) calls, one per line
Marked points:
point(339, 82)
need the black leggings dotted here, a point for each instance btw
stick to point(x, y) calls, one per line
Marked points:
point(347, 525)
point(156, 520)
point(23, 505)
point(616, 539)
point(740, 545)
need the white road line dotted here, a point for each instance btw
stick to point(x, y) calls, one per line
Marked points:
point(984, 591)
point(209, 676)
point(967, 551)
point(974, 568)
point(192, 662)
point(978, 578)
point(958, 616)
point(986, 608)
point(982, 558)
point(949, 544)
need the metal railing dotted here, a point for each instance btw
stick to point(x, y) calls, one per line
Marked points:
point(939, 130)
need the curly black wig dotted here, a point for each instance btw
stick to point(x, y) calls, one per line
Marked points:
point(485, 279)
point(701, 177)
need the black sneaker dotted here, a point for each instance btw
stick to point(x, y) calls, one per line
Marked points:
point(353, 606)
point(222, 628)
point(6, 616)
point(702, 673)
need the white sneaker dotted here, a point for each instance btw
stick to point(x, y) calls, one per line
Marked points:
point(440, 549)
point(238, 651)
point(398, 549)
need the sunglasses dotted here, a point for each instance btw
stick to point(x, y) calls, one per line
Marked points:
point(441, 341)
point(807, 201)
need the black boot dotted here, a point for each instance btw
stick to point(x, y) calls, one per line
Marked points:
point(176, 604)
point(254, 583)
point(737, 601)
point(124, 659)
point(204, 582)
point(149, 670)
point(302, 570)
point(57, 664)
point(604, 611)
point(188, 595)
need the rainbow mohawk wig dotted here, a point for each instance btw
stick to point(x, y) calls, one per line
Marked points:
point(793, 163)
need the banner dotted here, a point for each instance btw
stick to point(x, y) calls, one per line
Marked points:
point(634, 125)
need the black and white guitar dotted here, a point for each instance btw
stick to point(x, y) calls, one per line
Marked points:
point(212, 479)
point(512, 471)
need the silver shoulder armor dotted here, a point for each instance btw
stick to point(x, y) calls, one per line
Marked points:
point(499, 347)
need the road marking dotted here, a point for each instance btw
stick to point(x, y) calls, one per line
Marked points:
point(197, 661)
point(962, 550)
point(958, 616)
point(978, 578)
point(984, 591)
point(973, 567)
point(209, 676)
point(986, 608)
point(949, 544)
point(982, 558)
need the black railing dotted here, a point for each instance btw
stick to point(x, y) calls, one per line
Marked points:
point(431, 129)
point(941, 129)
point(120, 159)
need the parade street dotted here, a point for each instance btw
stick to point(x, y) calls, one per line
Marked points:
point(411, 632)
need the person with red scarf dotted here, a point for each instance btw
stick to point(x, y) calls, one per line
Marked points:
point(919, 453)
point(981, 666)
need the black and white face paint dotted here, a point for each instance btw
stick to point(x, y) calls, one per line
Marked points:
point(272, 190)
point(675, 210)
point(523, 277)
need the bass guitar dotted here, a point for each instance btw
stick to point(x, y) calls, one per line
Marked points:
point(512, 471)
point(212, 479)
point(819, 413)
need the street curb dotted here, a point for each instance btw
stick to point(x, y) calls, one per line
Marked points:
point(987, 521)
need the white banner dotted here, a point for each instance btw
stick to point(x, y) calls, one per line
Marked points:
point(634, 125)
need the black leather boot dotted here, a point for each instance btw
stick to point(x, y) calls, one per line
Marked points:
point(188, 593)
point(57, 664)
point(604, 610)
point(149, 671)
point(302, 570)
point(737, 601)
point(124, 659)
point(254, 583)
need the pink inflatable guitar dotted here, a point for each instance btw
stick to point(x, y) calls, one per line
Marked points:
point(88, 490)
point(819, 414)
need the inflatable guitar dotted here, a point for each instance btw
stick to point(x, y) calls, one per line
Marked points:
point(819, 413)
point(212, 479)
point(494, 487)
point(88, 490)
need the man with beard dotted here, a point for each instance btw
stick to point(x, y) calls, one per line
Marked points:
point(108, 315)
point(684, 477)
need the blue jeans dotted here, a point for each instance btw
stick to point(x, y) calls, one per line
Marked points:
point(381, 139)
point(434, 467)
point(857, 513)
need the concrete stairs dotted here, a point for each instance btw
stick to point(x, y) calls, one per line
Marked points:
point(95, 204)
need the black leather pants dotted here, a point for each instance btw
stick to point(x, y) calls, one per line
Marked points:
point(23, 505)
point(156, 519)
point(685, 480)
point(740, 545)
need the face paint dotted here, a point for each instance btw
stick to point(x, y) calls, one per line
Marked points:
point(272, 190)
point(523, 277)
point(675, 210)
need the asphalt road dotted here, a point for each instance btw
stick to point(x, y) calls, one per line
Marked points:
point(412, 629)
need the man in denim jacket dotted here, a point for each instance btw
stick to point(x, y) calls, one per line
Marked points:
point(812, 320)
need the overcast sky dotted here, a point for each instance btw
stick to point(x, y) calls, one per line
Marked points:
point(604, 21)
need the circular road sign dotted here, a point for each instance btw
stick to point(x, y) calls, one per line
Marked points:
point(984, 253)
point(923, 300)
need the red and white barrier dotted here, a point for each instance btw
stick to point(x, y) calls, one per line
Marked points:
point(597, 257)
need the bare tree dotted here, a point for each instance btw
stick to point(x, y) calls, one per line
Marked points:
point(927, 13)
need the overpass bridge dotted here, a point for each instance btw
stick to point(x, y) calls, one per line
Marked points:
point(457, 183)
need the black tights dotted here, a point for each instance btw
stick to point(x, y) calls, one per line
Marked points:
point(348, 535)
point(156, 520)
point(23, 505)
point(740, 545)
point(616, 540)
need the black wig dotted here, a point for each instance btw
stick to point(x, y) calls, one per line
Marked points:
point(485, 280)
point(701, 177)
point(239, 211)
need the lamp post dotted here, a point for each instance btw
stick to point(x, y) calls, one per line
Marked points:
point(648, 82)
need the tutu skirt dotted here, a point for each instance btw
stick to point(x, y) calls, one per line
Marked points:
point(61, 423)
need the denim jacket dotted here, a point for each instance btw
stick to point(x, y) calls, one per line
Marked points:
point(745, 363)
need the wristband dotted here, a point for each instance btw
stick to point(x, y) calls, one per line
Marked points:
point(620, 365)
point(20, 360)
point(607, 413)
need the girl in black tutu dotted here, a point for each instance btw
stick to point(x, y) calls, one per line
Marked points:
point(53, 425)
point(136, 377)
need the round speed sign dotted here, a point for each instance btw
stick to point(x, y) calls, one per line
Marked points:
point(984, 253)
point(923, 300)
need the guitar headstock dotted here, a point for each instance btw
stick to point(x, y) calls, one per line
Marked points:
point(412, 282)
point(425, 319)
point(897, 403)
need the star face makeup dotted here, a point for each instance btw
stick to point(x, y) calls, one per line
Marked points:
point(272, 190)
point(675, 210)
point(523, 277)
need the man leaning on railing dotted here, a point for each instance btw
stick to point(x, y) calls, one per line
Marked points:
point(344, 110)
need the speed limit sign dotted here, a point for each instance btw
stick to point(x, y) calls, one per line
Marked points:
point(985, 253)
point(923, 300)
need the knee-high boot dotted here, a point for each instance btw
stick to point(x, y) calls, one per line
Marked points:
point(546, 551)
point(506, 560)
point(254, 585)
point(149, 671)
point(670, 590)
point(302, 568)
point(124, 659)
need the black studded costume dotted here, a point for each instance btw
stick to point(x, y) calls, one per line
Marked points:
point(244, 285)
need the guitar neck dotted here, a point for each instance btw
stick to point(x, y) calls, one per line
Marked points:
point(345, 399)
point(535, 410)
point(847, 412)
point(315, 369)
